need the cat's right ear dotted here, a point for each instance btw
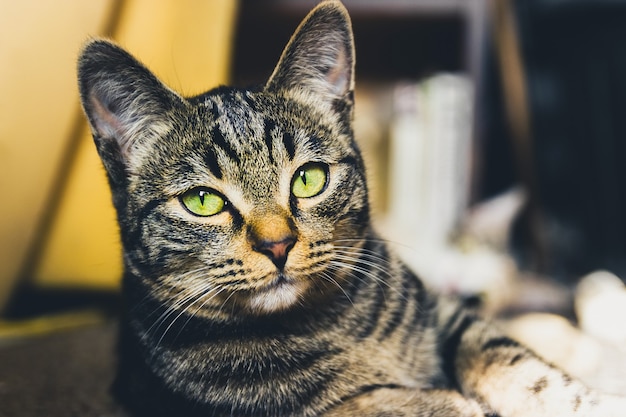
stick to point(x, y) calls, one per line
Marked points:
point(319, 58)
point(125, 103)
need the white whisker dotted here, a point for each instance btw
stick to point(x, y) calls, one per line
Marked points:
point(339, 265)
point(187, 294)
point(330, 279)
point(191, 315)
point(376, 265)
point(183, 311)
point(376, 240)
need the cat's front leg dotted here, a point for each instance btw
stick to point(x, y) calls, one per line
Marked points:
point(515, 382)
point(406, 402)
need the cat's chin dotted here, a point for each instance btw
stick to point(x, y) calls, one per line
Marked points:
point(280, 295)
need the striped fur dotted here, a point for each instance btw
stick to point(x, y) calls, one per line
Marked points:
point(215, 326)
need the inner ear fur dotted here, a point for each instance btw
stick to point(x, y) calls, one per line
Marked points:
point(319, 58)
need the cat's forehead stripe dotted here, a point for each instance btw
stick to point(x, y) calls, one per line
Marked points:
point(269, 140)
point(289, 144)
point(240, 130)
point(210, 158)
point(219, 139)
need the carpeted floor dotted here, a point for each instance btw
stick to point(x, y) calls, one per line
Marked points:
point(64, 374)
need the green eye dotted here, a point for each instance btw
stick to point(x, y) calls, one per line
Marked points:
point(309, 181)
point(203, 202)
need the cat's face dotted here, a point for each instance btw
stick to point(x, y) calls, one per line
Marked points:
point(247, 199)
point(247, 204)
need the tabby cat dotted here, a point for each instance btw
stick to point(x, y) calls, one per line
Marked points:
point(254, 284)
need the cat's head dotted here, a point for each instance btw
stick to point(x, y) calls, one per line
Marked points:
point(235, 197)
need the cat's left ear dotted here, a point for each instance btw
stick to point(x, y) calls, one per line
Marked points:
point(319, 58)
point(127, 106)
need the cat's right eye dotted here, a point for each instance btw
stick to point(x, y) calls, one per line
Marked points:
point(310, 180)
point(203, 202)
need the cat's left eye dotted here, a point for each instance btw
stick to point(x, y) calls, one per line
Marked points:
point(203, 202)
point(309, 180)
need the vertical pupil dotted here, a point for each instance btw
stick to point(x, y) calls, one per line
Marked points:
point(201, 195)
point(303, 176)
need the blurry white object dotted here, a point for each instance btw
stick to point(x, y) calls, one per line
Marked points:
point(473, 259)
point(491, 220)
point(601, 307)
point(429, 167)
point(429, 163)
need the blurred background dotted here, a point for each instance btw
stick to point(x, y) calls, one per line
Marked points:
point(492, 130)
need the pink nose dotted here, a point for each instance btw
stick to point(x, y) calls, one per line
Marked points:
point(276, 251)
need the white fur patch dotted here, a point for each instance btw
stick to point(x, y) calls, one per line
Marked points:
point(276, 298)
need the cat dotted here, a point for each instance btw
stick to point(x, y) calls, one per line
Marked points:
point(254, 284)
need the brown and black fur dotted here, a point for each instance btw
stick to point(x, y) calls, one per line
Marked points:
point(332, 323)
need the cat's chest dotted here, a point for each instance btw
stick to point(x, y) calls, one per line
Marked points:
point(298, 367)
point(252, 375)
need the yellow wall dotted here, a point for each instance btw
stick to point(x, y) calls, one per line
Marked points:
point(38, 43)
point(185, 42)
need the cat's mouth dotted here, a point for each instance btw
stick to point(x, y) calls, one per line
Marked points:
point(281, 280)
point(279, 294)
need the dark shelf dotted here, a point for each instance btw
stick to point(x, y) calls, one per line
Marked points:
point(395, 39)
